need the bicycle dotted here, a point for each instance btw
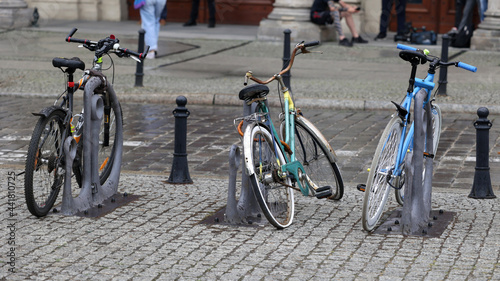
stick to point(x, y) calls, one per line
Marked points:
point(388, 168)
point(298, 155)
point(45, 167)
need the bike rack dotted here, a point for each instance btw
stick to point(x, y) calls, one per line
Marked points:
point(246, 210)
point(417, 198)
point(92, 193)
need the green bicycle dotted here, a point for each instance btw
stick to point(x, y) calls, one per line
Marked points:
point(298, 158)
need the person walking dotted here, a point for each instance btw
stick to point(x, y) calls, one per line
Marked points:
point(150, 22)
point(194, 13)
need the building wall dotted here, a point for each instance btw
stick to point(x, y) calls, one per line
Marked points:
point(107, 10)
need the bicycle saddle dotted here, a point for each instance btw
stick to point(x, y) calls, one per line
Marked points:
point(413, 57)
point(72, 64)
point(253, 91)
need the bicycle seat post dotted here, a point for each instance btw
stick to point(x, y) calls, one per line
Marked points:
point(412, 77)
point(71, 85)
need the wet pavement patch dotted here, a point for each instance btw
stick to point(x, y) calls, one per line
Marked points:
point(220, 218)
point(109, 205)
point(438, 222)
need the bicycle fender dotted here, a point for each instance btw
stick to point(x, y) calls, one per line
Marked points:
point(48, 110)
point(247, 141)
point(333, 156)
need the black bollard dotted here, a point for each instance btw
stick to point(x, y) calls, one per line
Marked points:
point(286, 58)
point(139, 73)
point(481, 189)
point(443, 71)
point(180, 170)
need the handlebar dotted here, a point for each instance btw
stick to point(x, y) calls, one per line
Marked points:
point(300, 46)
point(108, 44)
point(466, 66)
point(425, 52)
point(405, 47)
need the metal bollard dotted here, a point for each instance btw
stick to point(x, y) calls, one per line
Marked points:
point(286, 58)
point(180, 170)
point(481, 188)
point(139, 73)
point(443, 71)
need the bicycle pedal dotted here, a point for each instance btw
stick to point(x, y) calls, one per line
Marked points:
point(361, 187)
point(324, 192)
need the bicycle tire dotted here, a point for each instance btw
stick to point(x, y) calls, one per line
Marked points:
point(275, 199)
point(377, 187)
point(437, 121)
point(106, 153)
point(42, 182)
point(316, 156)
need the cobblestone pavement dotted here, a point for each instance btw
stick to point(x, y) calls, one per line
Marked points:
point(160, 237)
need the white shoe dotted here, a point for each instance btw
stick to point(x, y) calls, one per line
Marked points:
point(151, 54)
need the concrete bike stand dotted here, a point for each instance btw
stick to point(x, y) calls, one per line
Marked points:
point(417, 197)
point(246, 210)
point(92, 193)
point(416, 217)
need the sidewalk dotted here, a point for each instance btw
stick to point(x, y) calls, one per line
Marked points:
point(208, 65)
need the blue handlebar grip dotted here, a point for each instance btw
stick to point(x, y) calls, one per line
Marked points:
point(467, 66)
point(405, 47)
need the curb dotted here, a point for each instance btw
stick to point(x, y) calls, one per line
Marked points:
point(233, 100)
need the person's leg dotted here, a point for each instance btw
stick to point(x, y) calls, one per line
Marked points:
point(349, 20)
point(159, 5)
point(401, 13)
point(467, 14)
point(211, 13)
point(384, 16)
point(195, 4)
point(459, 10)
point(483, 6)
point(338, 26)
point(148, 24)
point(350, 23)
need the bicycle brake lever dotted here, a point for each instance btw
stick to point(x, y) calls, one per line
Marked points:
point(136, 59)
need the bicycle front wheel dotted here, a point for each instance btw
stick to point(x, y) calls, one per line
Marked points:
point(107, 139)
point(436, 134)
point(263, 159)
point(317, 158)
point(42, 178)
point(377, 185)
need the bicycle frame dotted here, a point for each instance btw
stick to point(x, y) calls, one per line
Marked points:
point(407, 139)
point(292, 165)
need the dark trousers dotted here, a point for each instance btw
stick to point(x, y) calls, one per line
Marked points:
point(386, 12)
point(211, 10)
point(463, 14)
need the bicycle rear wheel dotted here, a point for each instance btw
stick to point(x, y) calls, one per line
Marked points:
point(43, 179)
point(437, 120)
point(263, 159)
point(316, 156)
point(377, 185)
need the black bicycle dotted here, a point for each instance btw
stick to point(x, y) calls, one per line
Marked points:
point(45, 163)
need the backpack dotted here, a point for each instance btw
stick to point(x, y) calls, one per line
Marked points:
point(412, 35)
point(423, 37)
point(462, 38)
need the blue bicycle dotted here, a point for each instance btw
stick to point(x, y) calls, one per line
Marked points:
point(387, 169)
